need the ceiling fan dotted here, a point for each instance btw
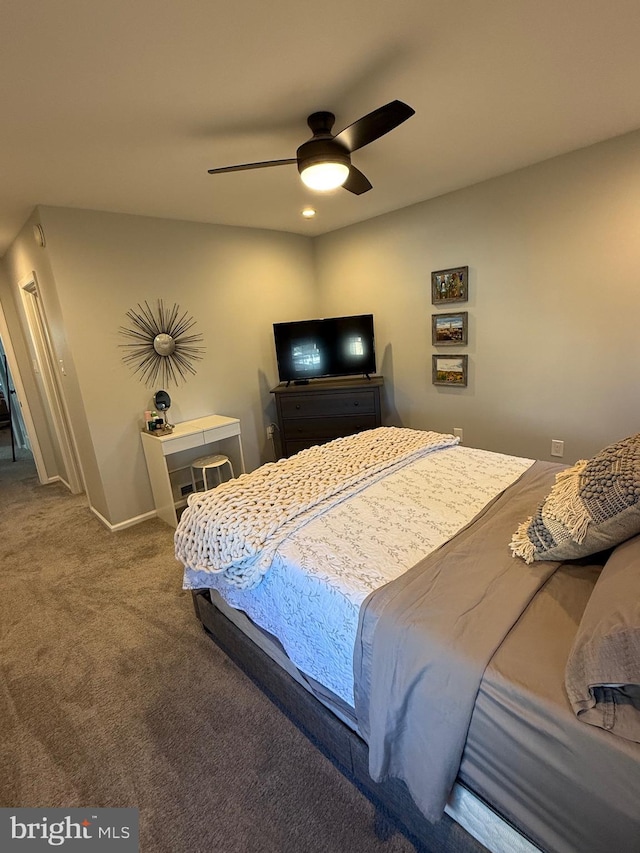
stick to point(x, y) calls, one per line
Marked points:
point(324, 161)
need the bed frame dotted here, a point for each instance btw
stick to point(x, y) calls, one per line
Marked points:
point(347, 751)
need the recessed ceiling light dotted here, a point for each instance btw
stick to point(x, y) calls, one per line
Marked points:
point(308, 213)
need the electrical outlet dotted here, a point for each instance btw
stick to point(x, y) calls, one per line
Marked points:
point(270, 432)
point(458, 432)
point(557, 447)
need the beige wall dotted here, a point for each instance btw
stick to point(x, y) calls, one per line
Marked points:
point(235, 282)
point(554, 259)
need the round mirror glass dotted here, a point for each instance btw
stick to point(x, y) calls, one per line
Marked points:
point(162, 400)
point(164, 344)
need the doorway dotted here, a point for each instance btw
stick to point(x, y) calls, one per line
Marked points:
point(45, 371)
point(13, 433)
point(19, 447)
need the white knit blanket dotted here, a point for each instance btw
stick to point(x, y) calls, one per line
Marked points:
point(235, 528)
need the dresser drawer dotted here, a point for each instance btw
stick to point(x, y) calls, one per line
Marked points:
point(326, 409)
point(181, 442)
point(314, 405)
point(327, 428)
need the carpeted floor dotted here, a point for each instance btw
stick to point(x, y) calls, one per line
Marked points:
point(111, 695)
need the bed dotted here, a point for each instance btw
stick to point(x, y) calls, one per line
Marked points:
point(430, 617)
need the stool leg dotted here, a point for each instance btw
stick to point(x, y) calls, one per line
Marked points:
point(231, 469)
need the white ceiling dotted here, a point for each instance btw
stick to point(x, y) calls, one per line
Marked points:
point(123, 105)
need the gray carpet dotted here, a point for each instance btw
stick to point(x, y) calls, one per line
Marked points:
point(111, 695)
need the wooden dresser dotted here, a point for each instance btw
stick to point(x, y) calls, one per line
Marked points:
point(326, 409)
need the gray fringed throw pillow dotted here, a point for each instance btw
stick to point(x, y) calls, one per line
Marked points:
point(593, 505)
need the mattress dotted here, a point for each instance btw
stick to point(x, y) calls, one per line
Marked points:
point(310, 598)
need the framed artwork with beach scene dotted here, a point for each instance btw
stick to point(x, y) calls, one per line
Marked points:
point(450, 370)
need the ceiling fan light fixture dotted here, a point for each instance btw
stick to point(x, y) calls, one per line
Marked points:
point(324, 176)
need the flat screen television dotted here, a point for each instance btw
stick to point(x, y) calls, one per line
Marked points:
point(335, 346)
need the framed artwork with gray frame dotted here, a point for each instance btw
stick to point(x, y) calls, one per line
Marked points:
point(450, 285)
point(450, 370)
point(449, 330)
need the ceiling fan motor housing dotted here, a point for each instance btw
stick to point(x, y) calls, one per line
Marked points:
point(319, 150)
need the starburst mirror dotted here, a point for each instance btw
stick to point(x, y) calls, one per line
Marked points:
point(159, 349)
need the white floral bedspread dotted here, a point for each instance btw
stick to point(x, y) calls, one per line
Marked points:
point(321, 574)
point(236, 528)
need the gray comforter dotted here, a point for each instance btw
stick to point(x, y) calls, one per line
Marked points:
point(425, 640)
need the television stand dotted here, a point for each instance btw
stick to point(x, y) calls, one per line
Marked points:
point(326, 409)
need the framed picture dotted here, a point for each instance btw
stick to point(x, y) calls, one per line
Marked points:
point(450, 285)
point(450, 370)
point(449, 329)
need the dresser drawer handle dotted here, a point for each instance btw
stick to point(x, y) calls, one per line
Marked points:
point(356, 403)
point(297, 405)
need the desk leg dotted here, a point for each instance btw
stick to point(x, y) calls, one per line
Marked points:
point(243, 470)
point(160, 482)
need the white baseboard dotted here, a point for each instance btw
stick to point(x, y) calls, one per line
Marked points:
point(48, 480)
point(121, 525)
point(56, 479)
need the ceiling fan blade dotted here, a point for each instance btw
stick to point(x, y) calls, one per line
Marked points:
point(357, 183)
point(246, 166)
point(374, 125)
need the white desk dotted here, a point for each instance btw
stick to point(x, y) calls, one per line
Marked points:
point(189, 435)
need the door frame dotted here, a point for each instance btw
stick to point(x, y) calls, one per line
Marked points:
point(37, 322)
point(22, 399)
